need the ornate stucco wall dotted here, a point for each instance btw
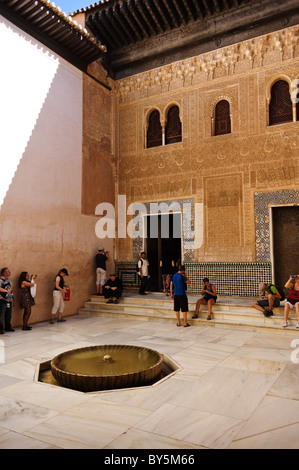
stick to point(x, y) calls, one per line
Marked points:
point(224, 172)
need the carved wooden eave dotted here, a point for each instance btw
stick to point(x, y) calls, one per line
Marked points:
point(144, 34)
point(53, 28)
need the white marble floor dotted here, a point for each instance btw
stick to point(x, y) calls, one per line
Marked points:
point(234, 389)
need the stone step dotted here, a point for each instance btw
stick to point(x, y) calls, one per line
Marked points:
point(128, 303)
point(234, 312)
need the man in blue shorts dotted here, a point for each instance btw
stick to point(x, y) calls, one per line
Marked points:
point(178, 288)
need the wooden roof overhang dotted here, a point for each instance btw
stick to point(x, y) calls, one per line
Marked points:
point(144, 34)
point(53, 28)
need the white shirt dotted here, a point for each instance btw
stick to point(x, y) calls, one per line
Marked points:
point(144, 267)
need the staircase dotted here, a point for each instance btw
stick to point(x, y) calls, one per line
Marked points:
point(228, 312)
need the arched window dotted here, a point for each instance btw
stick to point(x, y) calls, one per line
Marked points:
point(222, 118)
point(173, 128)
point(280, 109)
point(154, 131)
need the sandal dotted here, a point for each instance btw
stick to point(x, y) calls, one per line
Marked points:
point(209, 317)
point(186, 325)
point(178, 324)
point(195, 315)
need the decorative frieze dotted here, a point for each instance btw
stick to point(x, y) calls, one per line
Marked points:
point(240, 57)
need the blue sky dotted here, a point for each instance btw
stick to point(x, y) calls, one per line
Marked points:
point(68, 6)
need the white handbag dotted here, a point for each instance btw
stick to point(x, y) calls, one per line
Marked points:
point(33, 289)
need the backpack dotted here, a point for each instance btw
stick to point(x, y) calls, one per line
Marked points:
point(137, 268)
point(183, 282)
point(280, 290)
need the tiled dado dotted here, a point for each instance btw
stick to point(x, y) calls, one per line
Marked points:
point(240, 279)
point(230, 279)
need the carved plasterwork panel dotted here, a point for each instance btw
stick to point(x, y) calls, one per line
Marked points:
point(128, 131)
point(224, 213)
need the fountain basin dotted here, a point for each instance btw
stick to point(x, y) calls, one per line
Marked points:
point(106, 367)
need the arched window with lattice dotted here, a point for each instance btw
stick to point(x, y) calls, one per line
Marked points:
point(173, 128)
point(280, 108)
point(222, 118)
point(154, 130)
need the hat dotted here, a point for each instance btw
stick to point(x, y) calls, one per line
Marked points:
point(113, 274)
point(101, 248)
point(65, 271)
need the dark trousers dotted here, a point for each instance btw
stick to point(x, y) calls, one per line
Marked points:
point(143, 282)
point(108, 293)
point(5, 312)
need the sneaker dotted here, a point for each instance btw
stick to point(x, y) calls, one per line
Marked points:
point(61, 319)
point(285, 324)
point(297, 326)
point(51, 322)
point(268, 313)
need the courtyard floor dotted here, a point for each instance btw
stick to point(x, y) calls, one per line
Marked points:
point(234, 389)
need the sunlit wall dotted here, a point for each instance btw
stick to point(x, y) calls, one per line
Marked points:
point(27, 72)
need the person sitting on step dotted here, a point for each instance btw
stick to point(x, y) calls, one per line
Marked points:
point(270, 298)
point(293, 299)
point(112, 289)
point(209, 294)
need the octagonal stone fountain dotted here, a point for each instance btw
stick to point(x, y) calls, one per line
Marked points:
point(106, 367)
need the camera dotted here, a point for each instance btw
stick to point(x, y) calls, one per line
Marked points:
point(293, 275)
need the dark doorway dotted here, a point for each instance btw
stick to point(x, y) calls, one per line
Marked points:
point(163, 239)
point(286, 243)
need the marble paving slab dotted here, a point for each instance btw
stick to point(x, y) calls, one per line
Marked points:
point(193, 426)
point(233, 389)
point(229, 392)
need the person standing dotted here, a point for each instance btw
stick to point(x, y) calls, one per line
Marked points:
point(143, 265)
point(101, 259)
point(26, 301)
point(6, 292)
point(167, 266)
point(178, 288)
point(58, 295)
